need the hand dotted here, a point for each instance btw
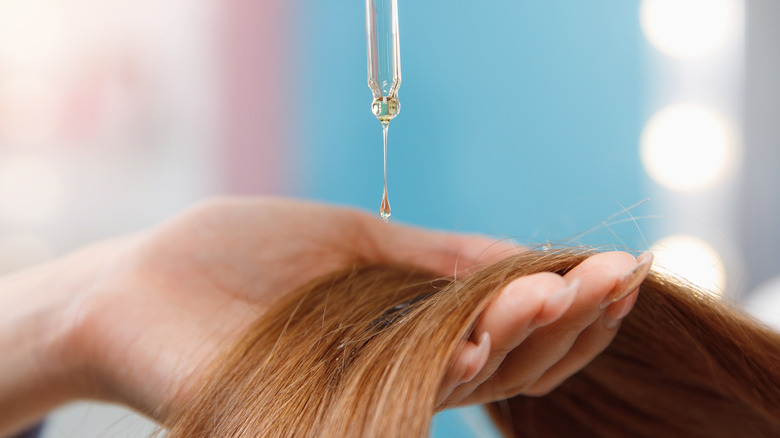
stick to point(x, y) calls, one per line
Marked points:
point(137, 320)
point(543, 328)
point(161, 305)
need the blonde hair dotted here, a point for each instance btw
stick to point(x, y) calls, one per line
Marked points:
point(362, 352)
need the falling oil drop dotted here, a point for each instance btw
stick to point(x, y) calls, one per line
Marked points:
point(384, 208)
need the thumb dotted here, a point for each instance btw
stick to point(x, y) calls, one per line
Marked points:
point(446, 254)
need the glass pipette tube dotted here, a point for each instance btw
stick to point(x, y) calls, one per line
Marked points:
point(384, 57)
point(384, 72)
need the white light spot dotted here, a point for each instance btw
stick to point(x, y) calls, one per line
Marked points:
point(692, 259)
point(689, 28)
point(18, 251)
point(31, 189)
point(688, 147)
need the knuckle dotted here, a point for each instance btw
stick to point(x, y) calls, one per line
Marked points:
point(609, 260)
point(539, 390)
point(500, 351)
point(515, 390)
point(548, 282)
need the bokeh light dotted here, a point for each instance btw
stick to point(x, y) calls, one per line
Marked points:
point(689, 28)
point(32, 189)
point(688, 147)
point(691, 258)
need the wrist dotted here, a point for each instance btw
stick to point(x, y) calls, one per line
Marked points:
point(43, 360)
point(33, 379)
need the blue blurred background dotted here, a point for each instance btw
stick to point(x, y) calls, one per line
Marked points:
point(518, 119)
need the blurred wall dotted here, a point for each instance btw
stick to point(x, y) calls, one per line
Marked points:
point(106, 120)
point(258, 54)
point(759, 206)
point(517, 118)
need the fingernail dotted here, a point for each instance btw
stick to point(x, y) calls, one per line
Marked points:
point(612, 317)
point(564, 297)
point(631, 280)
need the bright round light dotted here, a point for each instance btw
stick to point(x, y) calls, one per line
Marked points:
point(18, 251)
point(688, 147)
point(31, 189)
point(690, 258)
point(689, 28)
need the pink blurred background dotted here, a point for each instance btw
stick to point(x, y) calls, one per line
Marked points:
point(115, 115)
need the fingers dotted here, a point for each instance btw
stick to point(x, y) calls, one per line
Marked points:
point(522, 305)
point(468, 362)
point(554, 351)
point(445, 254)
point(594, 339)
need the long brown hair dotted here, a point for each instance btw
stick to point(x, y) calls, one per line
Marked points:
point(362, 352)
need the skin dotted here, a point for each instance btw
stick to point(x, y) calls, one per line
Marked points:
point(543, 328)
point(136, 320)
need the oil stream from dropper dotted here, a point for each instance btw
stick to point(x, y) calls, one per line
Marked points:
point(384, 208)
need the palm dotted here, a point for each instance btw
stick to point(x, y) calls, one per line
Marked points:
point(253, 251)
point(196, 282)
point(162, 305)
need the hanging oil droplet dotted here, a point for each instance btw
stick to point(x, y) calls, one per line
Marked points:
point(384, 208)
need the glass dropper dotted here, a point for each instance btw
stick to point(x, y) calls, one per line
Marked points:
point(384, 71)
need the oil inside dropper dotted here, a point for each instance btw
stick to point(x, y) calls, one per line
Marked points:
point(384, 208)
